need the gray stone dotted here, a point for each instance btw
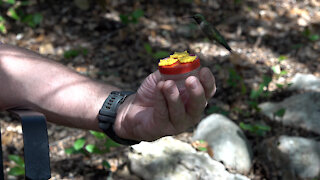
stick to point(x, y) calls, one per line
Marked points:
point(295, 157)
point(227, 140)
point(171, 159)
point(301, 110)
point(305, 82)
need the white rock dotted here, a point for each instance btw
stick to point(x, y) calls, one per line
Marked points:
point(171, 159)
point(227, 140)
point(296, 157)
point(301, 110)
point(305, 82)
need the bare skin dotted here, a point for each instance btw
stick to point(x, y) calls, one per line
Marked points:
point(70, 99)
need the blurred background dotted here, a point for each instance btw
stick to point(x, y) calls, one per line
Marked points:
point(120, 42)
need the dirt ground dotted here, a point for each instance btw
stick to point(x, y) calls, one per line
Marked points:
point(279, 34)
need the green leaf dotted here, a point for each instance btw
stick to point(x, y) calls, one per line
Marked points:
point(91, 148)
point(124, 18)
point(217, 109)
point(16, 171)
point(296, 46)
point(71, 53)
point(1, 19)
point(24, 3)
point(306, 32)
point(314, 37)
point(3, 28)
point(284, 72)
point(280, 85)
point(276, 69)
point(257, 93)
point(13, 14)
point(106, 164)
point(266, 80)
point(37, 18)
point(263, 127)
point(17, 159)
point(84, 51)
point(161, 54)
point(79, 143)
point(98, 135)
point(110, 143)
point(282, 57)
point(280, 112)
point(70, 150)
point(202, 149)
point(244, 126)
point(137, 13)
point(148, 48)
point(10, 1)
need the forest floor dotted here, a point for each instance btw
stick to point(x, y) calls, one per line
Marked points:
point(276, 39)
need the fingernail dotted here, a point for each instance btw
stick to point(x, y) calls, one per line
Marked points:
point(170, 88)
point(194, 83)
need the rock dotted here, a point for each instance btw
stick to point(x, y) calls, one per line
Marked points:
point(301, 110)
point(305, 82)
point(171, 159)
point(46, 49)
point(295, 157)
point(227, 140)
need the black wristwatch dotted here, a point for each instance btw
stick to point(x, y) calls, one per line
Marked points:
point(108, 113)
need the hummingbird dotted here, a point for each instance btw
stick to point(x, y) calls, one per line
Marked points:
point(210, 31)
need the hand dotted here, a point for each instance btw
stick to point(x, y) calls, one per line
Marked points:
point(157, 110)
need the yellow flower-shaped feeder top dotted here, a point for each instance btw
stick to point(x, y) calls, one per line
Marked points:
point(182, 57)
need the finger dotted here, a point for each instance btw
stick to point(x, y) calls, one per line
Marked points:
point(197, 100)
point(175, 106)
point(161, 112)
point(208, 82)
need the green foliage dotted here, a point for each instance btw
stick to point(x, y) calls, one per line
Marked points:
point(280, 113)
point(261, 92)
point(19, 167)
point(157, 54)
point(2, 25)
point(98, 135)
point(312, 37)
point(106, 164)
point(75, 52)
point(32, 19)
point(13, 14)
point(257, 129)
point(132, 17)
point(16, 12)
point(79, 143)
point(93, 149)
point(234, 78)
point(217, 109)
point(282, 57)
point(80, 146)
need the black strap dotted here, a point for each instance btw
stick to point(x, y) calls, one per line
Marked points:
point(1, 160)
point(36, 147)
point(107, 116)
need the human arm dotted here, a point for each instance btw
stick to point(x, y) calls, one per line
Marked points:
point(67, 98)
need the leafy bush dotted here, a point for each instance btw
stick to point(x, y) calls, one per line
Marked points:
point(81, 146)
point(132, 17)
point(19, 167)
point(15, 12)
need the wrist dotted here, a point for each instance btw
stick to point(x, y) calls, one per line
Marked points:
point(121, 124)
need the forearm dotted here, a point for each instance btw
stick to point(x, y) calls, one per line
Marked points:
point(65, 97)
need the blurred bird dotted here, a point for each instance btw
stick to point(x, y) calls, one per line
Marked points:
point(210, 31)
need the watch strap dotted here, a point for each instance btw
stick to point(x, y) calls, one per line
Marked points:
point(107, 116)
